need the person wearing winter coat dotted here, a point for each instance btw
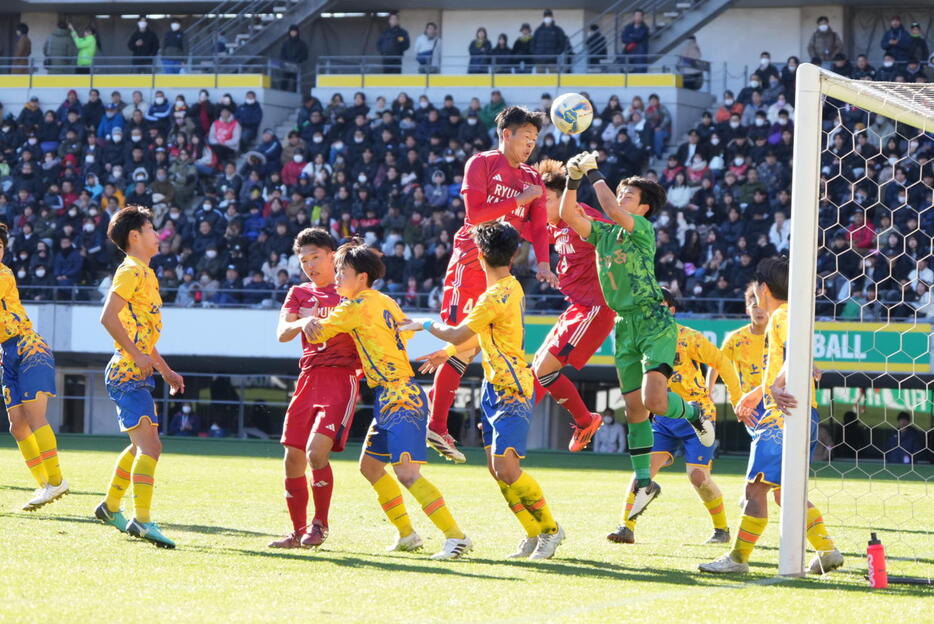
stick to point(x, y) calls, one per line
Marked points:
point(143, 45)
point(22, 50)
point(825, 43)
point(174, 48)
point(59, 50)
point(548, 41)
point(392, 44)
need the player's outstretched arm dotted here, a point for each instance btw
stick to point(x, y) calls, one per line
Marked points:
point(110, 319)
point(709, 354)
point(587, 163)
point(569, 210)
point(432, 361)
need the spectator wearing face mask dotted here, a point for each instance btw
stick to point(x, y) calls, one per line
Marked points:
point(548, 42)
point(896, 41)
point(611, 437)
point(185, 422)
point(765, 69)
point(889, 71)
point(825, 43)
point(224, 137)
point(174, 48)
point(159, 113)
point(143, 45)
point(250, 116)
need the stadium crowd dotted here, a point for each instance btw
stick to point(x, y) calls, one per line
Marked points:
point(229, 196)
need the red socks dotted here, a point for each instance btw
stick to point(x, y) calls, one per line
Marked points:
point(441, 395)
point(565, 393)
point(296, 496)
point(322, 485)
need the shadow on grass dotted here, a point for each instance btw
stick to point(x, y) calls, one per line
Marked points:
point(20, 488)
point(44, 517)
point(214, 530)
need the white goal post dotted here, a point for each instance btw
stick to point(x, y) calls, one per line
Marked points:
point(901, 103)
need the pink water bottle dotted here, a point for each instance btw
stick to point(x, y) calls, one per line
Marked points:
point(875, 558)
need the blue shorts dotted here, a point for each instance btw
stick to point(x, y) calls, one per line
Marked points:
point(28, 369)
point(400, 424)
point(132, 396)
point(506, 421)
point(765, 454)
point(670, 433)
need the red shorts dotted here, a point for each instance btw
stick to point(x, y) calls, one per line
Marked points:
point(324, 403)
point(578, 334)
point(463, 285)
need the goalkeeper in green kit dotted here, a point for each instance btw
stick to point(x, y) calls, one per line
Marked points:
point(646, 334)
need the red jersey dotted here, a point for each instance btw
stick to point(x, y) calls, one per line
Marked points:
point(577, 268)
point(340, 350)
point(490, 189)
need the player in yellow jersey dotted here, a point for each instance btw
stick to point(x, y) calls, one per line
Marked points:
point(28, 382)
point(745, 349)
point(496, 323)
point(132, 315)
point(400, 414)
point(687, 381)
point(765, 456)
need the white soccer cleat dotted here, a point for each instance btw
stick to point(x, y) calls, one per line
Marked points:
point(644, 496)
point(445, 446)
point(45, 495)
point(454, 548)
point(704, 427)
point(724, 565)
point(409, 543)
point(547, 544)
point(826, 562)
point(526, 548)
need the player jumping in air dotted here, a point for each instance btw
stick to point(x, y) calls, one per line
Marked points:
point(134, 308)
point(497, 185)
point(496, 324)
point(670, 433)
point(646, 334)
point(400, 413)
point(28, 382)
point(587, 321)
point(321, 411)
point(768, 404)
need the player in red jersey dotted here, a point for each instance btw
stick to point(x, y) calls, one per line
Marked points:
point(319, 416)
point(586, 323)
point(497, 185)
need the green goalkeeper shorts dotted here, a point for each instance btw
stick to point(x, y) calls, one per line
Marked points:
point(646, 340)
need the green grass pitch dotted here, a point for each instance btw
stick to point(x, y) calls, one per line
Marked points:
point(222, 502)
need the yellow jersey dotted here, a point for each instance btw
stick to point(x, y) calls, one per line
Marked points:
point(777, 333)
point(746, 351)
point(372, 320)
point(136, 283)
point(13, 319)
point(687, 380)
point(498, 320)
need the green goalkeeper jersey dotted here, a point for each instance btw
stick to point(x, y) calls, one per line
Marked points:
point(626, 263)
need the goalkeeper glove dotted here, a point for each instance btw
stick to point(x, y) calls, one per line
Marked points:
point(575, 175)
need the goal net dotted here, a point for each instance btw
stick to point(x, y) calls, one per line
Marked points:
point(861, 309)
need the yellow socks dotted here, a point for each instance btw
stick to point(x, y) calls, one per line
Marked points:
point(429, 497)
point(121, 479)
point(390, 499)
point(528, 522)
point(717, 513)
point(30, 450)
point(750, 529)
point(629, 524)
point(144, 471)
point(48, 450)
point(817, 532)
point(530, 493)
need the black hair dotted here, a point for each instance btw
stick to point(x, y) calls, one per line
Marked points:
point(497, 242)
point(773, 272)
point(822, 18)
point(23, 28)
point(130, 218)
point(4, 236)
point(553, 174)
point(750, 293)
point(514, 117)
point(361, 259)
point(651, 193)
point(670, 300)
point(319, 237)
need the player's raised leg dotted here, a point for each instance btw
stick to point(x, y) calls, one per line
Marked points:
point(547, 369)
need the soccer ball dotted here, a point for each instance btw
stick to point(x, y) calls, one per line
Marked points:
point(571, 113)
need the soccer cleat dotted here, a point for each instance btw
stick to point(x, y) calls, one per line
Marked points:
point(826, 562)
point(446, 447)
point(703, 427)
point(622, 535)
point(547, 544)
point(45, 495)
point(724, 565)
point(292, 540)
point(115, 519)
point(644, 496)
point(580, 438)
point(525, 549)
point(720, 536)
point(409, 543)
point(150, 532)
point(454, 548)
point(316, 536)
